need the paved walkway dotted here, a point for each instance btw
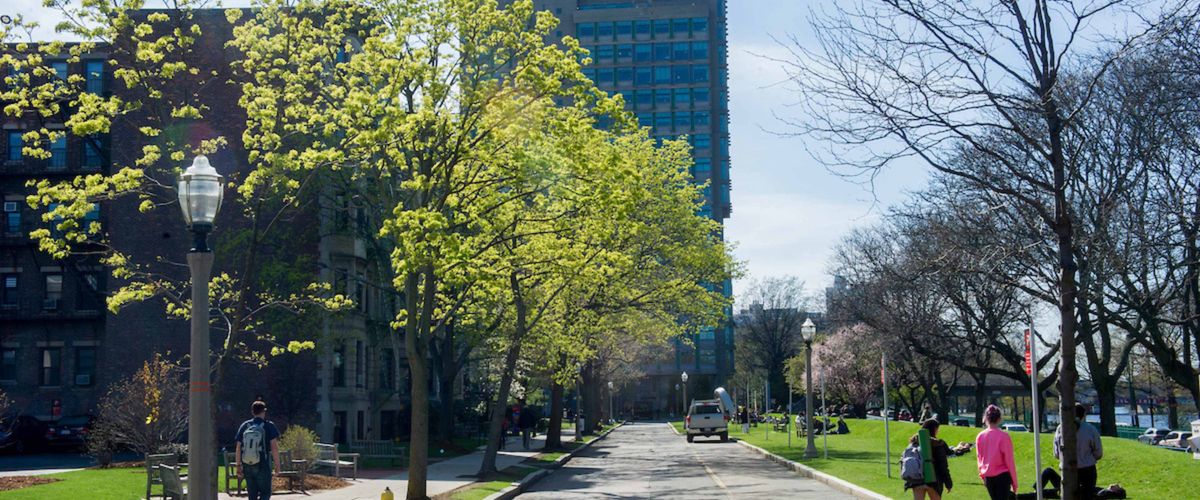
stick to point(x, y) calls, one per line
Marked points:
point(648, 460)
point(443, 476)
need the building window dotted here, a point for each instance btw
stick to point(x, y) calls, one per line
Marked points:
point(662, 121)
point(604, 53)
point(51, 373)
point(645, 99)
point(360, 364)
point(15, 143)
point(625, 75)
point(683, 120)
point(8, 294)
point(91, 154)
point(644, 75)
point(699, 25)
point(701, 119)
point(662, 28)
point(681, 51)
point(662, 52)
point(54, 288)
point(58, 153)
point(586, 30)
point(662, 97)
point(8, 365)
point(604, 77)
point(662, 75)
point(642, 52)
point(683, 97)
point(700, 73)
point(12, 218)
point(360, 429)
point(624, 28)
point(642, 28)
point(624, 52)
point(360, 289)
point(702, 165)
point(339, 365)
point(700, 95)
point(604, 30)
point(701, 141)
point(85, 365)
point(700, 50)
point(680, 27)
point(680, 74)
point(94, 77)
point(339, 426)
point(388, 374)
point(60, 70)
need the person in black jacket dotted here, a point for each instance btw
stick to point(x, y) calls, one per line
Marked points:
point(527, 422)
point(940, 452)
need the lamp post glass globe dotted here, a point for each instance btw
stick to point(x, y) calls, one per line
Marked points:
point(683, 377)
point(807, 331)
point(200, 195)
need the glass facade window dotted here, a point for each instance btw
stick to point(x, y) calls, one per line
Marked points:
point(699, 73)
point(642, 52)
point(604, 30)
point(58, 153)
point(85, 365)
point(680, 74)
point(624, 28)
point(625, 52)
point(586, 31)
point(662, 75)
point(700, 95)
point(60, 70)
point(702, 165)
point(724, 147)
point(604, 77)
point(645, 99)
point(644, 75)
point(14, 146)
point(91, 154)
point(680, 27)
point(94, 76)
point(624, 75)
point(645, 119)
point(12, 218)
point(699, 25)
point(683, 120)
point(681, 51)
point(683, 97)
point(700, 50)
point(701, 119)
point(662, 97)
point(642, 28)
point(603, 53)
point(662, 28)
point(702, 141)
point(662, 52)
point(662, 120)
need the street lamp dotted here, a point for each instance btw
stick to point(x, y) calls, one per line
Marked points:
point(610, 399)
point(200, 194)
point(807, 331)
point(686, 406)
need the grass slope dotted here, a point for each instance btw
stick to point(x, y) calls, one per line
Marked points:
point(1145, 471)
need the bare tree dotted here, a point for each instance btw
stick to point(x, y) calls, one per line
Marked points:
point(147, 410)
point(768, 329)
point(893, 79)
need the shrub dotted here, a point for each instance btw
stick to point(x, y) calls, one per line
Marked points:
point(301, 441)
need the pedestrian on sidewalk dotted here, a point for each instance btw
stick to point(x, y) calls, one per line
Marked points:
point(528, 421)
point(994, 452)
point(253, 439)
point(504, 432)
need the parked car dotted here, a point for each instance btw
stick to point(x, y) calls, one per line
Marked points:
point(962, 422)
point(905, 415)
point(705, 418)
point(1153, 435)
point(1015, 427)
point(22, 434)
point(1176, 439)
point(69, 432)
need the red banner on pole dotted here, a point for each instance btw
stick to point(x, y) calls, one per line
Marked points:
point(1028, 354)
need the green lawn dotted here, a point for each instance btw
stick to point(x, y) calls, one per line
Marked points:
point(1145, 471)
point(507, 476)
point(94, 484)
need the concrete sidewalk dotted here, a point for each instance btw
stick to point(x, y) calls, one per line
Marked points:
point(443, 476)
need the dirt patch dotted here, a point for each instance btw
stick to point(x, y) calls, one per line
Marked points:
point(18, 482)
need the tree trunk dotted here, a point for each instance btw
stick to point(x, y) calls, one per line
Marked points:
point(554, 429)
point(1064, 231)
point(980, 401)
point(414, 343)
point(499, 408)
point(1106, 394)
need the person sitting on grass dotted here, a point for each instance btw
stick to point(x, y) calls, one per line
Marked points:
point(1052, 488)
point(842, 428)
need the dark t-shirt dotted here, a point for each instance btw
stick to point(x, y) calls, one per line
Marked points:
point(271, 433)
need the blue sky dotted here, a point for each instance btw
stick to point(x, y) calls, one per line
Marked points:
point(788, 210)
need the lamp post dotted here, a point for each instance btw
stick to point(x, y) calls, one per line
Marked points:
point(610, 399)
point(686, 408)
point(200, 194)
point(807, 331)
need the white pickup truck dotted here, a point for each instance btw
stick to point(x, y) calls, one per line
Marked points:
point(707, 418)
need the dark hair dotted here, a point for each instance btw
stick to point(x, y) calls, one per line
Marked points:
point(992, 414)
point(1080, 411)
point(930, 425)
point(258, 407)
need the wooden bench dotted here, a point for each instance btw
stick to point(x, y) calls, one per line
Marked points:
point(779, 426)
point(328, 456)
point(294, 471)
point(152, 471)
point(231, 472)
point(173, 486)
point(380, 449)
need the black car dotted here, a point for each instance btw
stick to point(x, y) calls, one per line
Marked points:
point(69, 432)
point(22, 434)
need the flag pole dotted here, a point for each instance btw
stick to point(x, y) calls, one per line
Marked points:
point(887, 437)
point(1031, 367)
point(825, 405)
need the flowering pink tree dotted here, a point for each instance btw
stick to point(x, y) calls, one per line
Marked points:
point(849, 361)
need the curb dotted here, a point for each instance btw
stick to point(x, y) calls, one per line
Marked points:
point(834, 482)
point(520, 487)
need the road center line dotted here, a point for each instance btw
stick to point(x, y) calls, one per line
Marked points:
point(708, 470)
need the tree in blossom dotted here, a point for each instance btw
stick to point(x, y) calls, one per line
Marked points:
point(848, 360)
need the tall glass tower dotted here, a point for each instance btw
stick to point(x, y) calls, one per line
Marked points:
point(668, 59)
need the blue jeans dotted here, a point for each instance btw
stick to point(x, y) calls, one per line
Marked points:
point(258, 480)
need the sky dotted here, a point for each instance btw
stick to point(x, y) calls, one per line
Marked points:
point(789, 211)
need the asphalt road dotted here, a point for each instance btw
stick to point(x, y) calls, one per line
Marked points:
point(648, 460)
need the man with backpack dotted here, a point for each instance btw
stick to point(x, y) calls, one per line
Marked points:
point(254, 438)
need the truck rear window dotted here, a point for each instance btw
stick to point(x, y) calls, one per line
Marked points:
point(706, 409)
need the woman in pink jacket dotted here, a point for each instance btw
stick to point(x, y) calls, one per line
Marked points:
point(994, 452)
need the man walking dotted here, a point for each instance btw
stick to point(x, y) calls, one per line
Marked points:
point(254, 438)
point(527, 421)
point(1088, 450)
